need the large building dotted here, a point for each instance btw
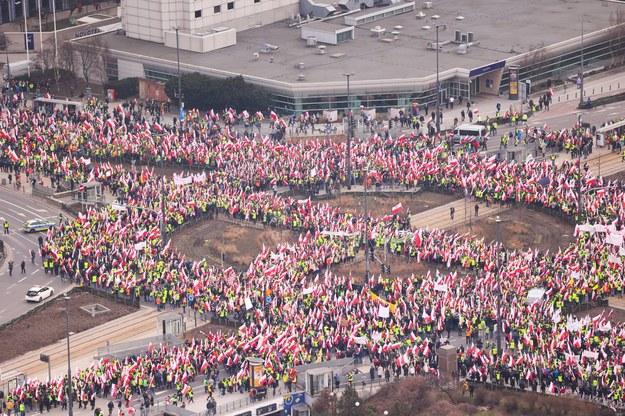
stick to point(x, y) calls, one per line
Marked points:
point(484, 47)
point(203, 25)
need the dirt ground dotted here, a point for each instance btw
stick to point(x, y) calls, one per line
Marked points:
point(401, 267)
point(381, 205)
point(206, 328)
point(239, 244)
point(523, 228)
point(47, 325)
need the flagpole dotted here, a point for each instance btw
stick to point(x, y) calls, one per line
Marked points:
point(56, 46)
point(26, 37)
point(40, 29)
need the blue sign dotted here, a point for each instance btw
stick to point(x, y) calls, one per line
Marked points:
point(191, 298)
point(291, 400)
point(476, 72)
point(268, 299)
point(29, 41)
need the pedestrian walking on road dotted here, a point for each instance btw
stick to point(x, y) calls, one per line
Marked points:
point(6, 227)
point(32, 256)
point(23, 267)
point(10, 268)
point(452, 211)
point(477, 209)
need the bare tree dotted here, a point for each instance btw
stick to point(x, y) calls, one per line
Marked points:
point(617, 37)
point(4, 46)
point(45, 56)
point(66, 57)
point(107, 60)
point(90, 55)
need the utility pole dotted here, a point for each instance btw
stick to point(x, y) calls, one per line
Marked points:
point(499, 267)
point(438, 88)
point(348, 160)
point(180, 102)
point(70, 393)
point(581, 73)
point(366, 227)
point(56, 43)
point(26, 37)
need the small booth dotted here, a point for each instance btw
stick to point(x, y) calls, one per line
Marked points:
point(319, 379)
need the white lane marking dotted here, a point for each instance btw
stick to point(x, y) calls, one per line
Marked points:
point(21, 214)
point(3, 311)
point(22, 279)
point(22, 208)
point(33, 273)
point(616, 113)
point(11, 286)
point(40, 210)
point(48, 282)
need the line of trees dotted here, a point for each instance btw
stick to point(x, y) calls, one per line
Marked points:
point(204, 92)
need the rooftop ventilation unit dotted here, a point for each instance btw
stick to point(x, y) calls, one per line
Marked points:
point(426, 27)
point(459, 18)
point(470, 37)
point(300, 65)
point(457, 37)
point(461, 49)
point(301, 77)
point(463, 38)
point(435, 17)
point(427, 5)
point(420, 15)
point(311, 41)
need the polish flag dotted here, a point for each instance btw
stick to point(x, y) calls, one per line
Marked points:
point(396, 209)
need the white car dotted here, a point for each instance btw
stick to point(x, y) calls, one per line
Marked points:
point(39, 293)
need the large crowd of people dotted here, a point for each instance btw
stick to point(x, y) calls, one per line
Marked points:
point(292, 307)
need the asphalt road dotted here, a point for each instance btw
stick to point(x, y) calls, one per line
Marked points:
point(18, 207)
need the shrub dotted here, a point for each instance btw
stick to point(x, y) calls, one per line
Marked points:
point(124, 88)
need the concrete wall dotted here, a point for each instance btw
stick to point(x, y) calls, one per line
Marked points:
point(201, 43)
point(148, 19)
point(322, 36)
point(129, 69)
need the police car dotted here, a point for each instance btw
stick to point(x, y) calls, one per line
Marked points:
point(39, 293)
point(40, 224)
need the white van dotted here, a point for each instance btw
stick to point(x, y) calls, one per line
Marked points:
point(475, 130)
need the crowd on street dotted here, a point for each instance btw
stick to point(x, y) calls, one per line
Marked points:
point(291, 306)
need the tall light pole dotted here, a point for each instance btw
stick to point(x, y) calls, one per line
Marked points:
point(438, 88)
point(56, 43)
point(581, 73)
point(366, 227)
point(26, 37)
point(70, 398)
point(348, 160)
point(500, 266)
point(40, 28)
point(180, 103)
point(163, 217)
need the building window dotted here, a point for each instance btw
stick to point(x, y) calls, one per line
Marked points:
point(198, 13)
point(256, 1)
point(217, 9)
point(230, 5)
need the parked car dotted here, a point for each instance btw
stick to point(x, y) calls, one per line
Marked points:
point(40, 224)
point(39, 293)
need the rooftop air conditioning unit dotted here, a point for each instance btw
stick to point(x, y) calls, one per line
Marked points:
point(311, 41)
point(300, 65)
point(301, 77)
point(463, 38)
point(458, 37)
point(427, 5)
point(470, 37)
point(461, 49)
point(420, 15)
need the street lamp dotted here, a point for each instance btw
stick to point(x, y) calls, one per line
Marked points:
point(357, 404)
point(438, 87)
point(70, 394)
point(581, 73)
point(348, 161)
point(180, 103)
point(498, 222)
point(385, 413)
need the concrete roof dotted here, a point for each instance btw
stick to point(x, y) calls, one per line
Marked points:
point(503, 28)
point(326, 26)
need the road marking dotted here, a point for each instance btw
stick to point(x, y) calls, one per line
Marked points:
point(11, 286)
point(33, 273)
point(22, 279)
point(48, 282)
point(22, 208)
point(616, 113)
point(3, 311)
point(21, 214)
point(40, 210)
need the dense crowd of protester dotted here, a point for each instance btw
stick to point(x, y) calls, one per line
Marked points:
point(292, 307)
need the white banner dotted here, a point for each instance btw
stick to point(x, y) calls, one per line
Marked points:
point(308, 291)
point(360, 340)
point(248, 304)
point(180, 180)
point(440, 287)
point(384, 311)
point(140, 246)
point(118, 207)
point(590, 354)
point(614, 239)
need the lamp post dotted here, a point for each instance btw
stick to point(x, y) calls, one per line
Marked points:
point(438, 88)
point(366, 227)
point(56, 44)
point(180, 103)
point(348, 160)
point(70, 398)
point(500, 266)
point(581, 72)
